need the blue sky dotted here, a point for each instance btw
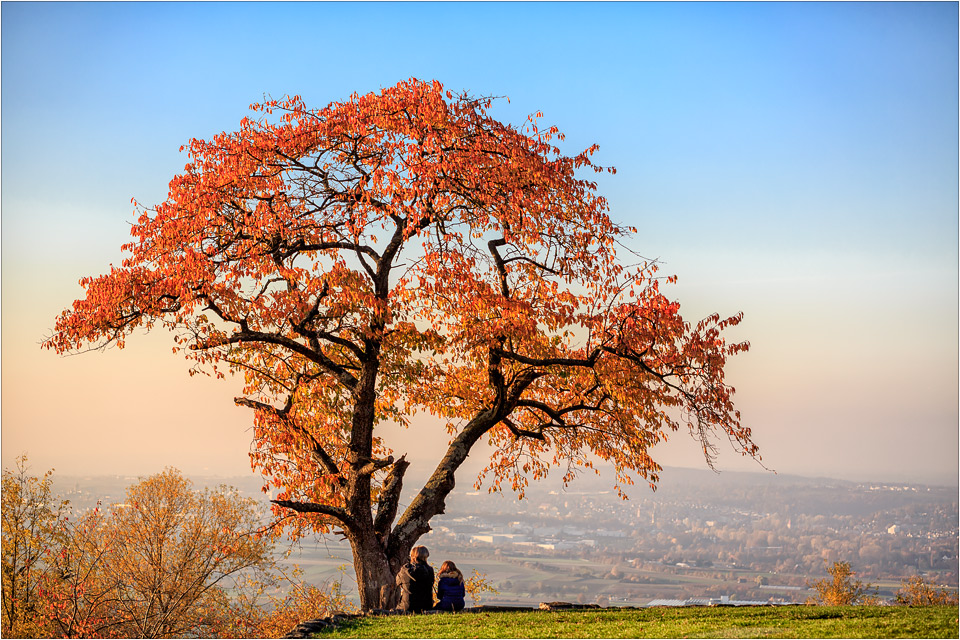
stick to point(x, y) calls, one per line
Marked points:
point(796, 161)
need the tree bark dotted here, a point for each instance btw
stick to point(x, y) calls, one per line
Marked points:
point(375, 576)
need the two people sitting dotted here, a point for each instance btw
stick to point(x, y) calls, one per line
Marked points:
point(416, 580)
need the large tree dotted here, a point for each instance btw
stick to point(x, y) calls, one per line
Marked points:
point(402, 253)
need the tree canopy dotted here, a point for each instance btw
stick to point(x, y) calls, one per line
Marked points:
point(404, 252)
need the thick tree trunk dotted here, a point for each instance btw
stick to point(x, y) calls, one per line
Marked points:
point(375, 575)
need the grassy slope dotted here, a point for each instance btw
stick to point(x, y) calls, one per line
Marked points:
point(687, 622)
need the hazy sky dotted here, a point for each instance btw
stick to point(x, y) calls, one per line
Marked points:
point(797, 162)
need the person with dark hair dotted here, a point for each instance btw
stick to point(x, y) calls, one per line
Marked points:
point(416, 582)
point(450, 588)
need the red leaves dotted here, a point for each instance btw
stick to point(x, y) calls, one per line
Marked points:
point(408, 238)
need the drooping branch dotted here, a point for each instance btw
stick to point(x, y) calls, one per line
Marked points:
point(556, 414)
point(524, 433)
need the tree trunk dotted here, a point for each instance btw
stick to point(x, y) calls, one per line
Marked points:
point(375, 576)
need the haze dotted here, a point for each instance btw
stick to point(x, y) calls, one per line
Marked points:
point(797, 162)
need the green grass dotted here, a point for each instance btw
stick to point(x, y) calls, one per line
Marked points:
point(681, 622)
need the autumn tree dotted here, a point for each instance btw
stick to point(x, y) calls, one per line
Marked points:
point(158, 565)
point(405, 252)
point(841, 588)
point(33, 520)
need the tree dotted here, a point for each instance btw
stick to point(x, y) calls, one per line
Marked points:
point(170, 561)
point(33, 520)
point(841, 588)
point(158, 565)
point(402, 253)
point(915, 591)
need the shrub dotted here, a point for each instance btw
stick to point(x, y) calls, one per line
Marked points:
point(916, 592)
point(841, 588)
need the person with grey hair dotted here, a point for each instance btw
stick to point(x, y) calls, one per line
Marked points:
point(416, 582)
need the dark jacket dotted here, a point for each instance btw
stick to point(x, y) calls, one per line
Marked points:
point(416, 587)
point(450, 591)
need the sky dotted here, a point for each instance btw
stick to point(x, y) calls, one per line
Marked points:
point(794, 161)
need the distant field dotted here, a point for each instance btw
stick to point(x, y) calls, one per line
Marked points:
point(528, 581)
point(667, 622)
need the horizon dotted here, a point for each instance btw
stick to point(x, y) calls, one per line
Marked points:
point(553, 482)
point(797, 162)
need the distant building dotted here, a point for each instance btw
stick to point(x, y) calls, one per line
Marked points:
point(499, 538)
point(712, 602)
point(557, 546)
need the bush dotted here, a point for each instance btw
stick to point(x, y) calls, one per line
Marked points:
point(916, 592)
point(841, 588)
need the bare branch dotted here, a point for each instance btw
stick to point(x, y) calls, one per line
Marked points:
point(312, 507)
point(390, 499)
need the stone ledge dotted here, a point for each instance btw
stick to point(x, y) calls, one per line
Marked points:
point(564, 606)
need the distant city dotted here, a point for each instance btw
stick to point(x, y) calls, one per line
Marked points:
point(701, 538)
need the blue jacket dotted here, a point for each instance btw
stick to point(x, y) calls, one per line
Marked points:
point(450, 591)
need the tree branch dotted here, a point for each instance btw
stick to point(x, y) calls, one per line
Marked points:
point(588, 362)
point(312, 507)
point(501, 265)
point(317, 451)
point(523, 433)
point(317, 357)
point(389, 500)
point(375, 465)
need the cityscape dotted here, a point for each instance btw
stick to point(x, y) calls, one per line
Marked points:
point(701, 538)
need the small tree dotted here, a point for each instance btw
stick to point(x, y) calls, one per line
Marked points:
point(915, 591)
point(841, 588)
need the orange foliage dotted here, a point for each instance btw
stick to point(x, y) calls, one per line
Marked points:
point(260, 610)
point(158, 565)
point(477, 585)
point(917, 592)
point(841, 589)
point(405, 252)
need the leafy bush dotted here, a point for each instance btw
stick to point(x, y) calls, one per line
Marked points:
point(841, 589)
point(916, 592)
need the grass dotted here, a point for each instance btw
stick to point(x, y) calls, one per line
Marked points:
point(668, 622)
